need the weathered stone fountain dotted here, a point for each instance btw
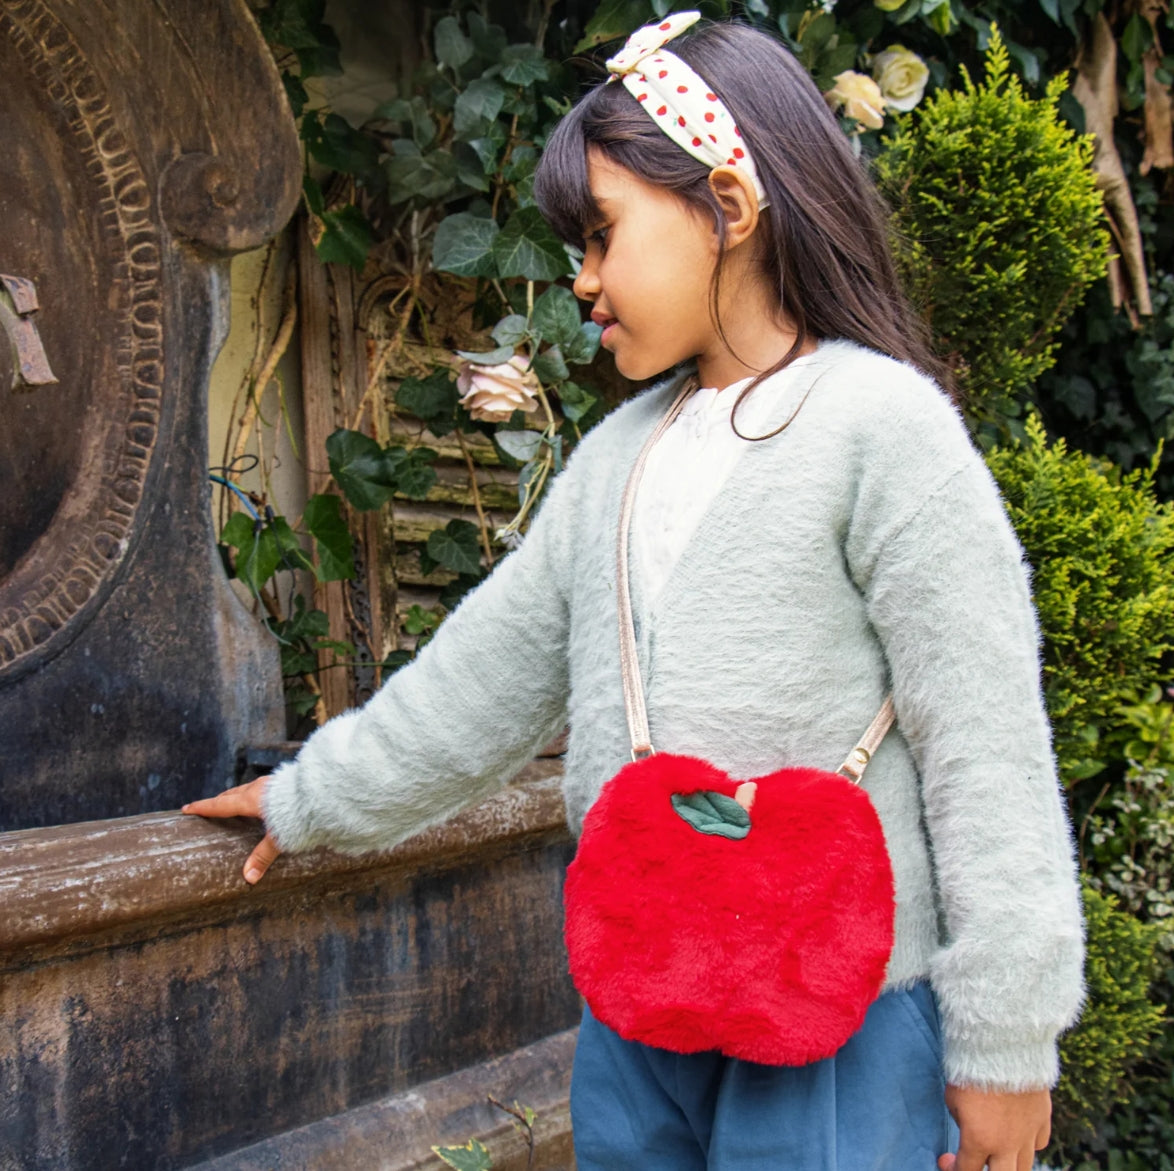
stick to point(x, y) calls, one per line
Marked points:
point(154, 1011)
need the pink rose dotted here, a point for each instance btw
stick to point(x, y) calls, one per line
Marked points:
point(493, 393)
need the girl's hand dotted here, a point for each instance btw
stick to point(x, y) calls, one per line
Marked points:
point(999, 1131)
point(243, 801)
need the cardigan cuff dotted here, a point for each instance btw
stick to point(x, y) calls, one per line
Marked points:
point(1012, 1064)
point(284, 813)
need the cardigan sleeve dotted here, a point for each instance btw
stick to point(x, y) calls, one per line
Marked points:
point(443, 732)
point(947, 590)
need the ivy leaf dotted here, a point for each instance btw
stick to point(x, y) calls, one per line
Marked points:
point(575, 401)
point(486, 149)
point(291, 555)
point(488, 39)
point(361, 468)
point(424, 177)
point(520, 445)
point(510, 331)
point(456, 547)
point(453, 48)
point(469, 168)
point(299, 25)
point(432, 400)
point(712, 813)
point(613, 19)
point(584, 344)
point(346, 238)
point(523, 64)
point(464, 244)
point(550, 366)
point(338, 146)
point(257, 552)
point(312, 190)
point(527, 247)
point(415, 476)
point(295, 92)
point(322, 517)
point(1137, 37)
point(456, 589)
point(477, 108)
point(556, 315)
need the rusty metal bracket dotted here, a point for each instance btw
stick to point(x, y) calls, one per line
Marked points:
point(18, 303)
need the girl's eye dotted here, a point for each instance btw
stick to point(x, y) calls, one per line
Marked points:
point(599, 236)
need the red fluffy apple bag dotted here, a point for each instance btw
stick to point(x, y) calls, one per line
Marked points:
point(755, 918)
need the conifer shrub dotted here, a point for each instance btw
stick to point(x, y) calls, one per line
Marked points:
point(1101, 547)
point(1118, 1025)
point(999, 228)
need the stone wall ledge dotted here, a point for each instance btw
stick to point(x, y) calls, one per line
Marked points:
point(69, 887)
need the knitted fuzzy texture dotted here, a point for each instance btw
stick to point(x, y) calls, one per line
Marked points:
point(861, 550)
point(769, 948)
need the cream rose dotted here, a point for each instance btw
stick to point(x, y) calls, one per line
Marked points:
point(493, 393)
point(860, 98)
point(901, 75)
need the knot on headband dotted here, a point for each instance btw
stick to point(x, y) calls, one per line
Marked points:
point(679, 101)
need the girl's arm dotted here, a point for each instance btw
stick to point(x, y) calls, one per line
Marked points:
point(948, 593)
point(486, 692)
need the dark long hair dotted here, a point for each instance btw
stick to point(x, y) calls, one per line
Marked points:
point(824, 245)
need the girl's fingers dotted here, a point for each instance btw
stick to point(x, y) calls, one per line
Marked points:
point(243, 801)
point(261, 859)
point(946, 1163)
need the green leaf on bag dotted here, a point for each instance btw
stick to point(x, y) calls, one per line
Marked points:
point(322, 517)
point(464, 244)
point(712, 813)
point(526, 247)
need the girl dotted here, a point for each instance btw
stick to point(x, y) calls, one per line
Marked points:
point(818, 510)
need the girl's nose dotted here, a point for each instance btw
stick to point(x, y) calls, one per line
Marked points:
point(586, 285)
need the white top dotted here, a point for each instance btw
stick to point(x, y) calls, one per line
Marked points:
point(688, 468)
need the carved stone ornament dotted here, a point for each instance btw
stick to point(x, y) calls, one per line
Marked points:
point(143, 143)
point(76, 455)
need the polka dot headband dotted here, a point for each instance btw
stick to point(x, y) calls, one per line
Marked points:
point(678, 100)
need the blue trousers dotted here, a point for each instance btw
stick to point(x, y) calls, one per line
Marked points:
point(876, 1105)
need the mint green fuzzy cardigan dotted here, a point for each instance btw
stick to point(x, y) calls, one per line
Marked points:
point(864, 548)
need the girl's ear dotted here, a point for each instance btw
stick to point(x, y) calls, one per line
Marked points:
point(734, 191)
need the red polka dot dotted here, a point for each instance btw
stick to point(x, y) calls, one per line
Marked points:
point(713, 138)
point(712, 97)
point(641, 97)
point(697, 142)
point(739, 153)
point(664, 28)
point(682, 89)
point(709, 116)
point(662, 111)
point(732, 162)
point(737, 132)
point(663, 73)
point(681, 121)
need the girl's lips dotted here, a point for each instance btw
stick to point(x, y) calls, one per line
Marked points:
point(607, 329)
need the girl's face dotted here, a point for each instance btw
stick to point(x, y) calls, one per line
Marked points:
point(647, 269)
